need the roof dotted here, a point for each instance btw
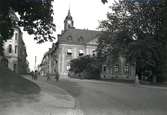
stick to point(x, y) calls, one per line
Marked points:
point(78, 36)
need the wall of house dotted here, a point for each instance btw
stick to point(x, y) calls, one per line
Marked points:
point(64, 59)
point(17, 56)
point(118, 69)
point(13, 55)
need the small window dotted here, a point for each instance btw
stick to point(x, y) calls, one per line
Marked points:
point(116, 68)
point(81, 52)
point(10, 48)
point(104, 68)
point(16, 49)
point(94, 53)
point(126, 68)
point(68, 67)
point(69, 52)
point(16, 36)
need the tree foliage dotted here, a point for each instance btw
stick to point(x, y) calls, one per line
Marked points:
point(134, 26)
point(36, 17)
point(88, 66)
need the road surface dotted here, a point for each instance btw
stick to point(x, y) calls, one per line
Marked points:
point(106, 98)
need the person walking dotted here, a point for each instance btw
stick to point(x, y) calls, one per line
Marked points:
point(35, 75)
point(137, 82)
point(48, 77)
point(57, 76)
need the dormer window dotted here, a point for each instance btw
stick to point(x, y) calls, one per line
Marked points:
point(69, 38)
point(69, 52)
point(80, 39)
point(81, 52)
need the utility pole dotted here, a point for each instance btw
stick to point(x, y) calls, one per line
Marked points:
point(35, 66)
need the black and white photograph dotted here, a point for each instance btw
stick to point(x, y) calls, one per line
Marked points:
point(83, 57)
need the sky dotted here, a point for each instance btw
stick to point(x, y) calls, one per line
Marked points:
point(86, 15)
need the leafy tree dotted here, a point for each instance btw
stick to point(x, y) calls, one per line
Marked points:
point(36, 16)
point(163, 37)
point(135, 32)
point(88, 66)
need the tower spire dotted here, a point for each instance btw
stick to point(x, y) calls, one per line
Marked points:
point(69, 13)
point(68, 22)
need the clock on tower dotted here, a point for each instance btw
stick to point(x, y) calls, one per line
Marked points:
point(68, 22)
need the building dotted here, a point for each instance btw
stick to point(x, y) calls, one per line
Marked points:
point(15, 51)
point(117, 68)
point(73, 43)
point(49, 62)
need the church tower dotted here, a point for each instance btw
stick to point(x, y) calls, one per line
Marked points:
point(68, 22)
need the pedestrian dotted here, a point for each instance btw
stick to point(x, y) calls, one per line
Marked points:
point(137, 82)
point(57, 77)
point(48, 77)
point(32, 74)
point(35, 75)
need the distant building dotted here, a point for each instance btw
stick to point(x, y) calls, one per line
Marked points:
point(49, 62)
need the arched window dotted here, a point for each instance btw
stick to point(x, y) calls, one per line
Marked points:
point(10, 48)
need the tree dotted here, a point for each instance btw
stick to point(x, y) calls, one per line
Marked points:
point(135, 30)
point(163, 37)
point(36, 17)
point(88, 66)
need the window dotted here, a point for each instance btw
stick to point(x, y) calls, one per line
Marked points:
point(126, 68)
point(94, 53)
point(80, 39)
point(10, 48)
point(104, 68)
point(68, 67)
point(16, 36)
point(69, 38)
point(81, 52)
point(116, 68)
point(16, 49)
point(14, 67)
point(69, 52)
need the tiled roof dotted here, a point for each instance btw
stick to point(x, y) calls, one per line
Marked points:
point(78, 36)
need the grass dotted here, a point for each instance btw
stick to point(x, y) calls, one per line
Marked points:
point(12, 82)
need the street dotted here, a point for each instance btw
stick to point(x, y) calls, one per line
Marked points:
point(106, 98)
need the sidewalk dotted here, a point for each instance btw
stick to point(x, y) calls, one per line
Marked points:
point(51, 101)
